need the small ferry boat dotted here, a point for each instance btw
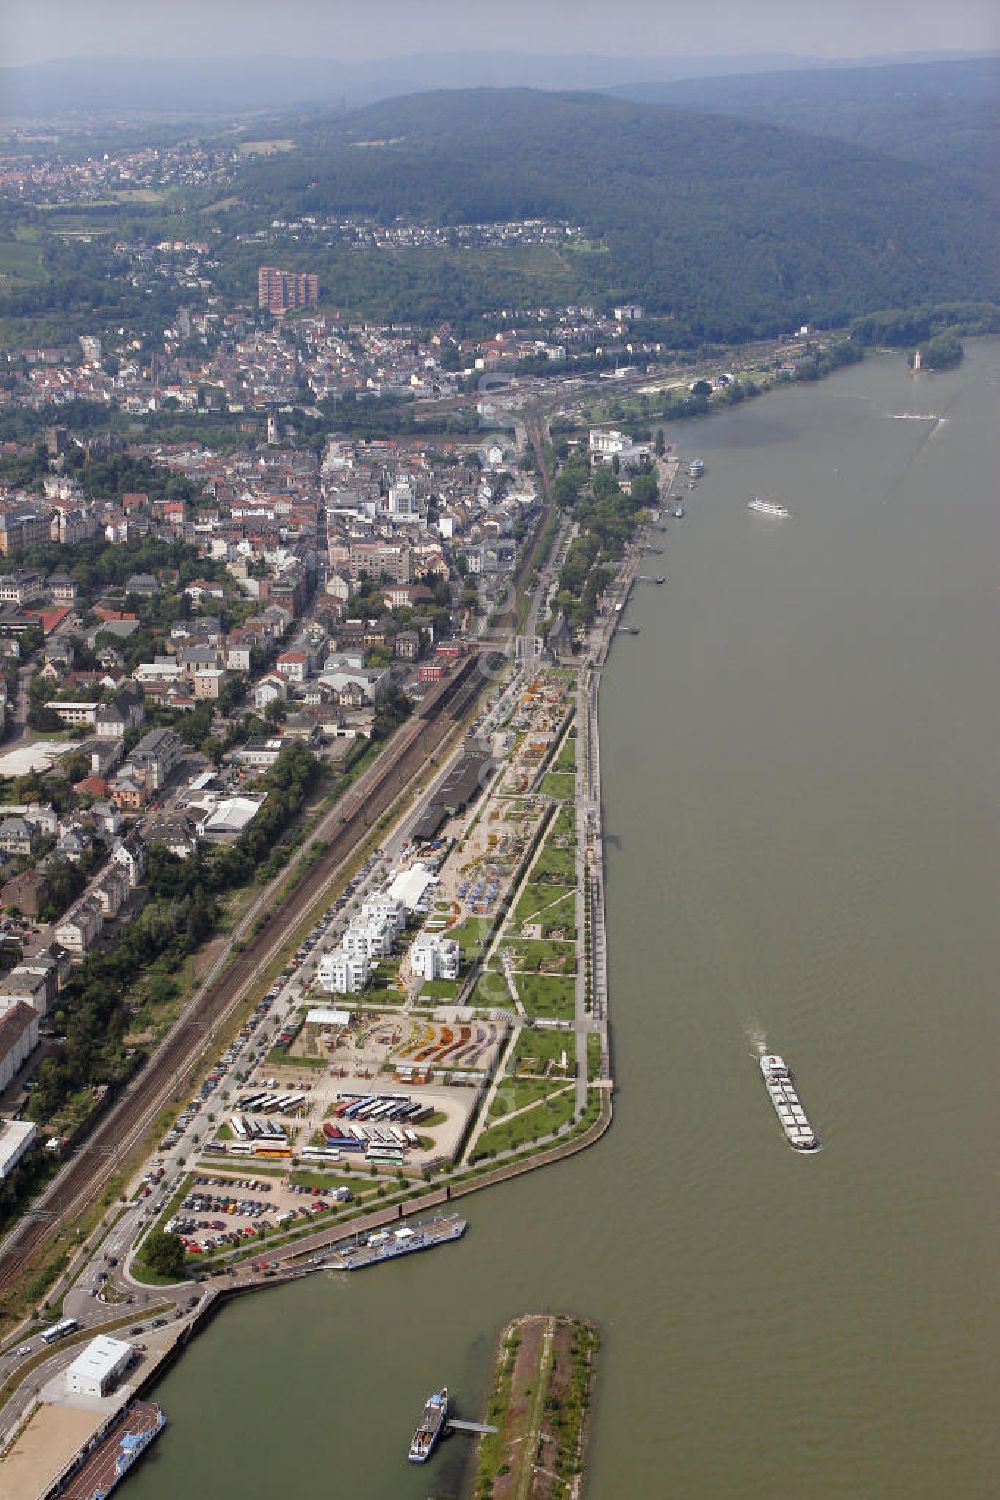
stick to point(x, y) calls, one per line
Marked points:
point(386, 1244)
point(678, 510)
point(431, 1426)
point(791, 1116)
point(696, 468)
point(766, 507)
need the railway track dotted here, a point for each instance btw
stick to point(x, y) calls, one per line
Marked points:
point(168, 1070)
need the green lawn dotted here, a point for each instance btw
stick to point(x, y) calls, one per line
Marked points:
point(358, 1185)
point(555, 866)
point(561, 784)
point(531, 954)
point(562, 915)
point(470, 936)
point(491, 992)
point(21, 261)
point(536, 896)
point(566, 759)
point(564, 824)
point(440, 989)
point(547, 995)
point(533, 1049)
point(546, 1117)
point(515, 1093)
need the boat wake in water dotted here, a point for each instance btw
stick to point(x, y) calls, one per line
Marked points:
point(757, 1038)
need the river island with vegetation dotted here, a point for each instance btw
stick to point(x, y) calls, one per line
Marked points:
point(540, 1404)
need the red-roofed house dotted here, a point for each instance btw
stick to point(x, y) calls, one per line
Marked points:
point(92, 786)
point(293, 666)
point(49, 618)
point(204, 588)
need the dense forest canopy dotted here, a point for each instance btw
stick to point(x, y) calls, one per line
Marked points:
point(738, 227)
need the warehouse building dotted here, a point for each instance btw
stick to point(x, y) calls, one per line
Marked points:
point(460, 787)
point(99, 1367)
point(16, 1137)
point(18, 1038)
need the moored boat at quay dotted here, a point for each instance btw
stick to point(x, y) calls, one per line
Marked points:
point(787, 1106)
point(102, 1467)
point(387, 1244)
point(431, 1426)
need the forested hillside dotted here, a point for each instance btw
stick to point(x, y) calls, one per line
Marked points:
point(943, 114)
point(734, 227)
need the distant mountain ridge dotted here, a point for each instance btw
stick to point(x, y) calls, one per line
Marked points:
point(943, 114)
point(210, 87)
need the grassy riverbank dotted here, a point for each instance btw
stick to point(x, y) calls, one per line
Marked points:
point(540, 1403)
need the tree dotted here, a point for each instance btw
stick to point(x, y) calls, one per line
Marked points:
point(164, 1253)
point(942, 352)
point(660, 446)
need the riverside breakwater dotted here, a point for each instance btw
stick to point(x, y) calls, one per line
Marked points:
point(799, 802)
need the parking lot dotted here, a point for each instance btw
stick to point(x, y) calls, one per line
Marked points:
point(222, 1212)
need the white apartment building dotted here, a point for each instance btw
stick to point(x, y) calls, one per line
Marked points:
point(384, 909)
point(607, 441)
point(435, 957)
point(342, 974)
point(368, 939)
point(402, 502)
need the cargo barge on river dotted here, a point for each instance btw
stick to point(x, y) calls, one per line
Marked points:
point(787, 1106)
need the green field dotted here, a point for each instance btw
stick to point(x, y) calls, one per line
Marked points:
point(21, 261)
point(566, 759)
point(533, 954)
point(558, 865)
point(440, 989)
point(470, 936)
point(516, 1093)
point(546, 1117)
point(536, 897)
point(534, 1049)
point(561, 784)
point(547, 995)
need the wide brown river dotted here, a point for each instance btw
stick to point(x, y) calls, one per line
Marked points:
point(801, 789)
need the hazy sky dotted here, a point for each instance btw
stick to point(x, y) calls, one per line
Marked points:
point(35, 30)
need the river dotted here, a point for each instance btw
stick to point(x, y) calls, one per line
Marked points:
point(801, 778)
